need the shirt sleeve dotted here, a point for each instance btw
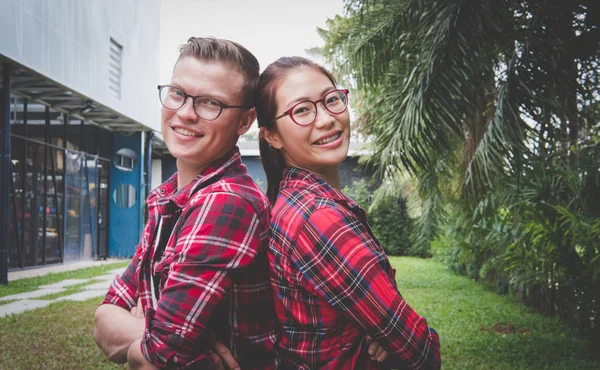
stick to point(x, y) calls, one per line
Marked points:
point(219, 237)
point(123, 291)
point(340, 261)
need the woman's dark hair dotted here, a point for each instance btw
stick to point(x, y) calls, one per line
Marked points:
point(272, 159)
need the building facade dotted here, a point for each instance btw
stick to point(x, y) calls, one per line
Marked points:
point(79, 119)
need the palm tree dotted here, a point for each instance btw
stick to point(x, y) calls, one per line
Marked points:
point(499, 81)
point(491, 105)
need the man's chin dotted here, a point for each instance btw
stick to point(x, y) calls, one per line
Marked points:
point(191, 160)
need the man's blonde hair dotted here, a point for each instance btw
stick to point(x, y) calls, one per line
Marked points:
point(228, 52)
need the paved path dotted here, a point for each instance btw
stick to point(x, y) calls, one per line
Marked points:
point(59, 267)
point(97, 287)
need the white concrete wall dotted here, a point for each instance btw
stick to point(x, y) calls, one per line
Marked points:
point(156, 173)
point(68, 41)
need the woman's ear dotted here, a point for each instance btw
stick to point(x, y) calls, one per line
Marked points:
point(272, 137)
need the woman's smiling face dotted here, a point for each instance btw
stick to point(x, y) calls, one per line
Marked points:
point(320, 146)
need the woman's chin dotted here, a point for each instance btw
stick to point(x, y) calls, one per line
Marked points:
point(329, 162)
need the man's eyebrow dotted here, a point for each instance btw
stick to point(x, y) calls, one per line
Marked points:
point(303, 98)
point(212, 96)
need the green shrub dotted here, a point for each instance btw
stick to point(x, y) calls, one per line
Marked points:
point(359, 192)
point(392, 226)
point(389, 221)
point(537, 238)
point(446, 250)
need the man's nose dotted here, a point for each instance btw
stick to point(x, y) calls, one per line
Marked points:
point(187, 111)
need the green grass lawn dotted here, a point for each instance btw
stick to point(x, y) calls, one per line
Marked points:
point(458, 308)
point(60, 335)
point(31, 284)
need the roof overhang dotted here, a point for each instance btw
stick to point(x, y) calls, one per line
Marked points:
point(33, 86)
point(36, 87)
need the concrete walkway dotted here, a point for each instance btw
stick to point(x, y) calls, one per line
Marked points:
point(61, 267)
point(97, 287)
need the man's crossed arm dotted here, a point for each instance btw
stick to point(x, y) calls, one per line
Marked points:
point(116, 329)
point(118, 333)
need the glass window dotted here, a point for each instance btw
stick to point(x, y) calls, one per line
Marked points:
point(124, 195)
point(125, 159)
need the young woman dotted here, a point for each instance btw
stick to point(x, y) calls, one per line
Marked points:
point(334, 287)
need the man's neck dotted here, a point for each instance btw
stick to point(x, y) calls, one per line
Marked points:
point(186, 173)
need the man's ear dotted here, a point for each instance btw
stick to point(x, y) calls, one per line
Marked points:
point(272, 137)
point(246, 121)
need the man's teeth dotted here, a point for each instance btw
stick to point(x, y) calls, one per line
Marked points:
point(185, 132)
point(329, 139)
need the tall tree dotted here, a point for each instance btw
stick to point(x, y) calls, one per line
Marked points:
point(494, 107)
point(500, 81)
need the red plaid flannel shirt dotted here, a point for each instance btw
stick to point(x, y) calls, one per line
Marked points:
point(334, 285)
point(213, 276)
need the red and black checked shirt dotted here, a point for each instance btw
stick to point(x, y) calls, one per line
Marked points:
point(212, 279)
point(333, 284)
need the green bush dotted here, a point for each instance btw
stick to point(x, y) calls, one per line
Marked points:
point(391, 224)
point(447, 250)
point(389, 221)
point(537, 238)
point(359, 192)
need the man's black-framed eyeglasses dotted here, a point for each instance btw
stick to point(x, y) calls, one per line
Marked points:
point(305, 112)
point(207, 108)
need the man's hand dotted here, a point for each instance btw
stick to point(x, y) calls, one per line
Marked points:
point(136, 359)
point(220, 354)
point(376, 350)
point(222, 358)
point(137, 311)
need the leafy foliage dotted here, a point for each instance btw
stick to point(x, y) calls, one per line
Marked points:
point(388, 219)
point(492, 107)
point(540, 238)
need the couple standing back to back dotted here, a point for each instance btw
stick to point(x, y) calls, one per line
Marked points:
point(219, 280)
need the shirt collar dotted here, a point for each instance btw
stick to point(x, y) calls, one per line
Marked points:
point(175, 199)
point(295, 177)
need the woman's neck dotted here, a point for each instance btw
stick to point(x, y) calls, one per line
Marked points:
point(332, 177)
point(330, 174)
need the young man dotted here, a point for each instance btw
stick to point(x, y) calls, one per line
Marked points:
point(199, 281)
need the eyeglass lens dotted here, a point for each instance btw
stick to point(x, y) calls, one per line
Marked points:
point(174, 98)
point(305, 112)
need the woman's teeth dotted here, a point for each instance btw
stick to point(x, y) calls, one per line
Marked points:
point(329, 139)
point(185, 132)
